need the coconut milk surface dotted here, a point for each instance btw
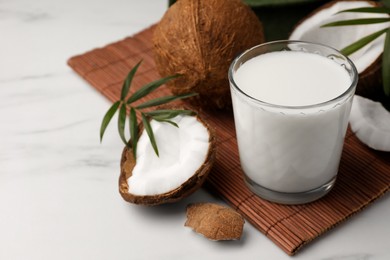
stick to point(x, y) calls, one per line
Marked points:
point(292, 78)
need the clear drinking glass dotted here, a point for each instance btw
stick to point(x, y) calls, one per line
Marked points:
point(291, 154)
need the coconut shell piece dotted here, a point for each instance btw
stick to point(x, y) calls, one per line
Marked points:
point(214, 221)
point(187, 188)
point(370, 81)
point(199, 39)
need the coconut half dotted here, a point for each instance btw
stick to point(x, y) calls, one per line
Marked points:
point(367, 60)
point(370, 122)
point(187, 154)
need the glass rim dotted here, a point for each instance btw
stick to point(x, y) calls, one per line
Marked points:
point(321, 104)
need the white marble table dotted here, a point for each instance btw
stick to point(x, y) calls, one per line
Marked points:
point(58, 184)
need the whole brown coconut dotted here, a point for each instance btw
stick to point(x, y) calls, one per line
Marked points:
point(199, 39)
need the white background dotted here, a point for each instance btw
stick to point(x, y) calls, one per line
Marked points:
point(58, 184)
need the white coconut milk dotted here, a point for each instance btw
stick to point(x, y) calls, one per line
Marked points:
point(296, 145)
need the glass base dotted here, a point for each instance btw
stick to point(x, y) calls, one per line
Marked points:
point(290, 197)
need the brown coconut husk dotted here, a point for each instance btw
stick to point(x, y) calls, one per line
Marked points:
point(214, 221)
point(187, 188)
point(370, 80)
point(199, 39)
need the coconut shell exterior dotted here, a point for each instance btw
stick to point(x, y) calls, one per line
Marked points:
point(370, 80)
point(187, 188)
point(199, 39)
point(214, 221)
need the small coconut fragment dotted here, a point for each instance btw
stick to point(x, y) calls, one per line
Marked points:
point(214, 221)
point(186, 155)
point(199, 39)
point(367, 59)
point(370, 122)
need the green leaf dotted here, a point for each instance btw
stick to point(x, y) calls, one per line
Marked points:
point(168, 114)
point(133, 131)
point(376, 10)
point(357, 22)
point(386, 64)
point(361, 43)
point(258, 3)
point(163, 100)
point(107, 118)
point(167, 121)
point(149, 131)
point(146, 89)
point(127, 82)
point(121, 123)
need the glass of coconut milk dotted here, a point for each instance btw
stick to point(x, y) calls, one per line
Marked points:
point(291, 103)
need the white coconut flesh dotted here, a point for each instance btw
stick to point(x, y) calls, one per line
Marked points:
point(370, 122)
point(182, 151)
point(342, 36)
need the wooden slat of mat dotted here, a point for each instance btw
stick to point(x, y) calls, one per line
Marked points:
point(364, 174)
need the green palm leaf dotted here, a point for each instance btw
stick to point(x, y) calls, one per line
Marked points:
point(164, 114)
point(133, 131)
point(127, 82)
point(362, 42)
point(107, 118)
point(357, 22)
point(121, 123)
point(164, 100)
point(149, 131)
point(167, 121)
point(145, 90)
point(259, 3)
point(386, 64)
point(376, 10)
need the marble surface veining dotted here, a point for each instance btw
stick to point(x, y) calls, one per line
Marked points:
point(58, 184)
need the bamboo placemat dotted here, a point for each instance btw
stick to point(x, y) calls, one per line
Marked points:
point(364, 174)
